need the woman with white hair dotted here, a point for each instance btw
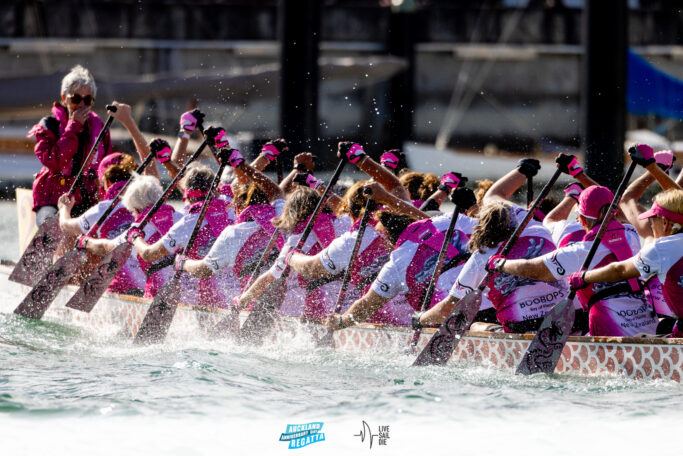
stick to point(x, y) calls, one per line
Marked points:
point(63, 141)
point(139, 198)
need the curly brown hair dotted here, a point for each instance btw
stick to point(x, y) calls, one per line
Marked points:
point(496, 224)
point(419, 185)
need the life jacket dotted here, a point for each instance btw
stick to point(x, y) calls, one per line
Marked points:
point(253, 248)
point(162, 220)
point(323, 228)
point(421, 268)
point(119, 220)
point(225, 192)
point(616, 242)
point(673, 288)
point(216, 219)
point(516, 298)
point(369, 262)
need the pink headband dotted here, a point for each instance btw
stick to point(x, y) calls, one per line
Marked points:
point(195, 193)
point(656, 209)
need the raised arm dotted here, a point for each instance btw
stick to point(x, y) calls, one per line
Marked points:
point(247, 173)
point(504, 187)
point(355, 154)
point(123, 114)
point(382, 196)
point(67, 224)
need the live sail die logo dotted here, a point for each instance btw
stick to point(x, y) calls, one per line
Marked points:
point(301, 435)
point(366, 433)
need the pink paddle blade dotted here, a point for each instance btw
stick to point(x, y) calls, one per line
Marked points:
point(46, 290)
point(545, 350)
point(159, 316)
point(37, 258)
point(96, 284)
point(440, 347)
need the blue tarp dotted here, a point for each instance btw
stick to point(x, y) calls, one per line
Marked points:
point(651, 91)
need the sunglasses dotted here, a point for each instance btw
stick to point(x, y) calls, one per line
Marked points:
point(88, 99)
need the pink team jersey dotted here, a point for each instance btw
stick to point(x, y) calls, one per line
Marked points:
point(516, 299)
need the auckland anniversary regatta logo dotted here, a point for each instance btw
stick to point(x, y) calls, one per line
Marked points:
point(301, 435)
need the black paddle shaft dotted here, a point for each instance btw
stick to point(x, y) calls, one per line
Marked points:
point(91, 155)
point(437, 272)
point(545, 349)
point(529, 190)
point(356, 247)
point(162, 199)
point(605, 221)
point(527, 218)
point(118, 196)
point(159, 316)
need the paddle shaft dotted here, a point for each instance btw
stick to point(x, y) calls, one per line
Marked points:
point(159, 316)
point(437, 272)
point(605, 221)
point(162, 199)
point(529, 190)
point(354, 253)
point(441, 345)
point(545, 349)
point(518, 231)
point(93, 229)
point(91, 155)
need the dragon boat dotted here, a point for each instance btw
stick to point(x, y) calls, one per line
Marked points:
point(636, 358)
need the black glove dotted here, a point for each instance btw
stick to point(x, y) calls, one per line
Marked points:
point(350, 151)
point(528, 166)
point(451, 181)
point(161, 150)
point(642, 154)
point(217, 137)
point(463, 198)
point(51, 124)
point(568, 164)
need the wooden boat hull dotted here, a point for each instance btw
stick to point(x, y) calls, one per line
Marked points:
point(594, 356)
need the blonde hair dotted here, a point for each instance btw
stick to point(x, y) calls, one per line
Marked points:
point(482, 187)
point(419, 185)
point(300, 204)
point(120, 171)
point(496, 224)
point(78, 77)
point(249, 194)
point(354, 200)
point(672, 200)
point(142, 192)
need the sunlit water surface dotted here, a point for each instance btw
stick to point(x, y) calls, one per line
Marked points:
point(67, 391)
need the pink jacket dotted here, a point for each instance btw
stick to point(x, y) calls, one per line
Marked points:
point(57, 145)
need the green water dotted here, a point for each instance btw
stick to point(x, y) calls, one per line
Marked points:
point(65, 390)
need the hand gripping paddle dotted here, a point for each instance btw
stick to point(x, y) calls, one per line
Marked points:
point(440, 347)
point(262, 315)
point(159, 316)
point(544, 351)
point(328, 339)
point(37, 257)
point(95, 285)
